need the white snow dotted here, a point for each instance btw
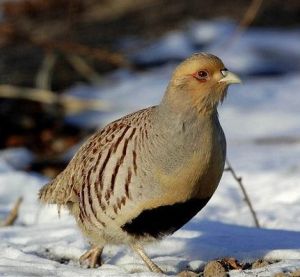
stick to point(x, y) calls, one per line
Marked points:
point(261, 122)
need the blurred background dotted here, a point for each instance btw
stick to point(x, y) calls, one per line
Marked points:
point(69, 67)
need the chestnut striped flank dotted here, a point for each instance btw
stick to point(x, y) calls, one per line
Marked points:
point(99, 195)
point(123, 200)
point(83, 198)
point(127, 183)
point(134, 161)
point(90, 200)
point(118, 204)
point(120, 138)
point(107, 196)
point(84, 215)
point(98, 184)
point(82, 202)
point(114, 175)
point(115, 208)
point(81, 218)
point(164, 220)
point(87, 201)
point(103, 167)
point(121, 160)
point(94, 214)
point(87, 185)
point(92, 207)
point(97, 161)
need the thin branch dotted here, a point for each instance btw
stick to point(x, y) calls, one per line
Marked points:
point(70, 47)
point(71, 104)
point(84, 69)
point(246, 21)
point(32, 94)
point(13, 215)
point(44, 75)
point(10, 32)
point(246, 197)
point(250, 13)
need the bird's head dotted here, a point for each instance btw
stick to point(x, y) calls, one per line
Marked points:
point(200, 81)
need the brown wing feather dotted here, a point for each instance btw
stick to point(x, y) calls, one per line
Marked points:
point(67, 186)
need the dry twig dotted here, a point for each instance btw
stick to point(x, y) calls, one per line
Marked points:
point(44, 75)
point(84, 69)
point(246, 21)
point(69, 47)
point(13, 215)
point(250, 14)
point(71, 104)
point(10, 32)
point(246, 197)
point(32, 94)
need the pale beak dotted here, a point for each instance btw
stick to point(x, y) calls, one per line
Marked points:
point(230, 78)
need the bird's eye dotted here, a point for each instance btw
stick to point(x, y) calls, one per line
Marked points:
point(201, 75)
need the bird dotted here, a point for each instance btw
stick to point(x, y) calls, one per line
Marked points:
point(145, 175)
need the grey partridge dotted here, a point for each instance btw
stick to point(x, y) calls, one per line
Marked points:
point(147, 174)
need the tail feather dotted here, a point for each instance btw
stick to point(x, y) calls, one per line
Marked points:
point(47, 195)
point(59, 191)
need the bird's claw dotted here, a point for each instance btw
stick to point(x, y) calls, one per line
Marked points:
point(91, 258)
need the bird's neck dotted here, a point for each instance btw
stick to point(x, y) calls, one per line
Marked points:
point(181, 136)
point(175, 115)
point(181, 98)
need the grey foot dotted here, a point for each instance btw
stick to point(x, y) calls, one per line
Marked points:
point(150, 264)
point(92, 257)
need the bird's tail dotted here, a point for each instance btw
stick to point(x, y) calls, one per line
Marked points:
point(50, 194)
point(58, 191)
point(47, 194)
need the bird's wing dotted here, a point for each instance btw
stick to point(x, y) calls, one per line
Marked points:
point(96, 167)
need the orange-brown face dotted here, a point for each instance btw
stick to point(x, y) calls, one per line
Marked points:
point(202, 80)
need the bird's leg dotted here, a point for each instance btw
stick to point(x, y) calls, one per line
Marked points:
point(92, 257)
point(151, 265)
